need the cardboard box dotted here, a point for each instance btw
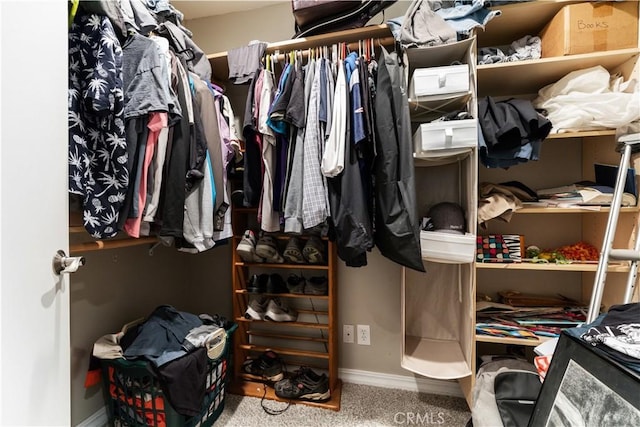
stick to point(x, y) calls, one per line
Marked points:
point(591, 27)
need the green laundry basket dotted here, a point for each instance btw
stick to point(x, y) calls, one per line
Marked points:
point(134, 397)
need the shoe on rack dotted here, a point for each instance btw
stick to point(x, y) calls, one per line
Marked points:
point(275, 284)
point(304, 385)
point(268, 366)
point(246, 249)
point(277, 311)
point(267, 248)
point(258, 283)
point(313, 251)
point(293, 251)
point(295, 284)
point(317, 285)
point(257, 308)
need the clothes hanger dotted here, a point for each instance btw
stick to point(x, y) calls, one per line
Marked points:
point(73, 11)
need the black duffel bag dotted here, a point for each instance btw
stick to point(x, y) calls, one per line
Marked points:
point(322, 16)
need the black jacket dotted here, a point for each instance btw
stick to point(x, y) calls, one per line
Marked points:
point(397, 233)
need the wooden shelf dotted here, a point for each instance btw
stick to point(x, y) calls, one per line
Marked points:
point(285, 336)
point(509, 340)
point(259, 389)
point(306, 296)
point(613, 268)
point(97, 245)
point(309, 325)
point(582, 134)
point(285, 351)
point(498, 79)
point(579, 210)
point(518, 20)
point(283, 266)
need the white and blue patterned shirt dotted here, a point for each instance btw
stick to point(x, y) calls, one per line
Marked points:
point(97, 145)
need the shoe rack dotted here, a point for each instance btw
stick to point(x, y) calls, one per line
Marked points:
point(311, 340)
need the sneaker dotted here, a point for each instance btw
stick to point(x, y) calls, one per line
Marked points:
point(277, 311)
point(268, 366)
point(293, 252)
point(313, 251)
point(257, 283)
point(304, 385)
point(316, 286)
point(267, 248)
point(246, 249)
point(295, 284)
point(275, 284)
point(257, 309)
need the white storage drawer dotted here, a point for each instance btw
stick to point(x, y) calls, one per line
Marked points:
point(445, 135)
point(448, 248)
point(452, 79)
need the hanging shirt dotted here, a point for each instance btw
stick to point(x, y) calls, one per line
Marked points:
point(97, 147)
point(270, 219)
point(293, 201)
point(252, 174)
point(333, 158)
point(157, 121)
point(314, 196)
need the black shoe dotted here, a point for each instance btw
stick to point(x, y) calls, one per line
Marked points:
point(314, 251)
point(317, 286)
point(295, 284)
point(275, 284)
point(268, 366)
point(304, 385)
point(258, 283)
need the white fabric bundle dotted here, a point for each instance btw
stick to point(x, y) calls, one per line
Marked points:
point(589, 99)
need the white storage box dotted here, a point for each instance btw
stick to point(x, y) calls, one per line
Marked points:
point(451, 80)
point(444, 135)
point(447, 247)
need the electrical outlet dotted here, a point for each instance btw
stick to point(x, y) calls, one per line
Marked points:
point(347, 334)
point(364, 334)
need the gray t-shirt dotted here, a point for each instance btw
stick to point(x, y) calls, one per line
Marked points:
point(146, 87)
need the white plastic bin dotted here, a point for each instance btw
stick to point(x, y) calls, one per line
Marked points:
point(450, 80)
point(448, 248)
point(445, 135)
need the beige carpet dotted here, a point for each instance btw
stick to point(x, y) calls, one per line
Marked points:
point(360, 406)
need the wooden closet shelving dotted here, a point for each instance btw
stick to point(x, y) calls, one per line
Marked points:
point(286, 337)
point(572, 158)
point(88, 244)
point(299, 343)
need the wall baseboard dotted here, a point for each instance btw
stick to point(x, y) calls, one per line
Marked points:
point(401, 382)
point(97, 419)
point(354, 376)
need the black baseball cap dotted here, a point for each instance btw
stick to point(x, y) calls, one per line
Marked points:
point(446, 217)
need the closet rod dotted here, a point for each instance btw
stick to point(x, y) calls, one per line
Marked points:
point(109, 244)
point(353, 47)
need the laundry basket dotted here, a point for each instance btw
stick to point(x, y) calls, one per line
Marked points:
point(134, 397)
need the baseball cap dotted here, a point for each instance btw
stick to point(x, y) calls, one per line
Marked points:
point(215, 343)
point(445, 217)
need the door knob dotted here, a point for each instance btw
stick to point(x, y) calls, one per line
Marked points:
point(66, 264)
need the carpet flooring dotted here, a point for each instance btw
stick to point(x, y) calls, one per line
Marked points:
point(360, 406)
